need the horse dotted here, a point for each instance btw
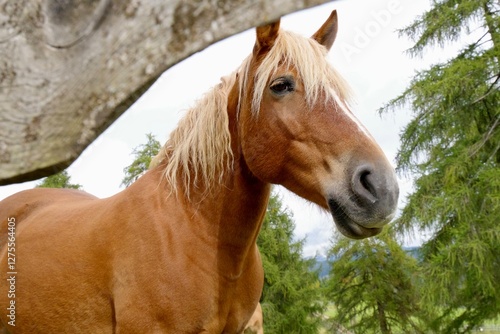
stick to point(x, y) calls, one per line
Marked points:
point(255, 325)
point(176, 252)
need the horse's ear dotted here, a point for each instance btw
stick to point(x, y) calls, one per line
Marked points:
point(266, 36)
point(328, 32)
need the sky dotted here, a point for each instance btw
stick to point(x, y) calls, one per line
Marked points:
point(368, 52)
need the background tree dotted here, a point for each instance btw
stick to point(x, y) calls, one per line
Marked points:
point(143, 155)
point(374, 285)
point(292, 299)
point(451, 146)
point(59, 180)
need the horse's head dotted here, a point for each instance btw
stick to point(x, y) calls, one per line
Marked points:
point(296, 129)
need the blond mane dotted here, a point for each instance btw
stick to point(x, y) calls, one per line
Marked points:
point(199, 149)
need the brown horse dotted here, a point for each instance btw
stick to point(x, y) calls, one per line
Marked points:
point(176, 251)
point(256, 323)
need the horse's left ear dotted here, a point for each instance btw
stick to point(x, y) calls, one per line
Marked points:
point(328, 32)
point(266, 36)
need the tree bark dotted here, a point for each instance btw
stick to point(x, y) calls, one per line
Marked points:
point(69, 68)
point(382, 319)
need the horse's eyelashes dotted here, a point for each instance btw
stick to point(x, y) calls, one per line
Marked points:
point(282, 86)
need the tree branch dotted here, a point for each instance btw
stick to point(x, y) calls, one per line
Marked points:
point(489, 90)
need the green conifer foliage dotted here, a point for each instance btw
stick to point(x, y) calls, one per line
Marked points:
point(451, 147)
point(143, 155)
point(292, 298)
point(58, 180)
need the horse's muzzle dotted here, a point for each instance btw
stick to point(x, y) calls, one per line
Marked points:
point(368, 203)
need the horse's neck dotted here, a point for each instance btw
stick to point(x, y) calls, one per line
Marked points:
point(241, 208)
point(229, 213)
point(244, 198)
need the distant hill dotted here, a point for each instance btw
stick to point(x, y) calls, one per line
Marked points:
point(414, 251)
point(322, 264)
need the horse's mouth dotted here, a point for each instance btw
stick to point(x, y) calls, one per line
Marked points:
point(348, 226)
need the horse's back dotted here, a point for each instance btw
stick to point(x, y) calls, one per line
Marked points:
point(26, 201)
point(24, 206)
point(43, 195)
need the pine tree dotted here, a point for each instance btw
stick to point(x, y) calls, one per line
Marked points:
point(374, 285)
point(143, 155)
point(452, 148)
point(292, 298)
point(59, 180)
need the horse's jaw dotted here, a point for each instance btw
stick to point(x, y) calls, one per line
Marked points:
point(347, 226)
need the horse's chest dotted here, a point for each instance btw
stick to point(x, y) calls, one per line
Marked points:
point(187, 298)
point(225, 308)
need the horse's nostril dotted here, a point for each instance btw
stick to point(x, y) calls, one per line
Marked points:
point(364, 185)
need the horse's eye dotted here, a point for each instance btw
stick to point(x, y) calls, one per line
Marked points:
point(282, 86)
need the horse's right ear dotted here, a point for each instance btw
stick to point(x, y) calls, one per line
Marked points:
point(266, 36)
